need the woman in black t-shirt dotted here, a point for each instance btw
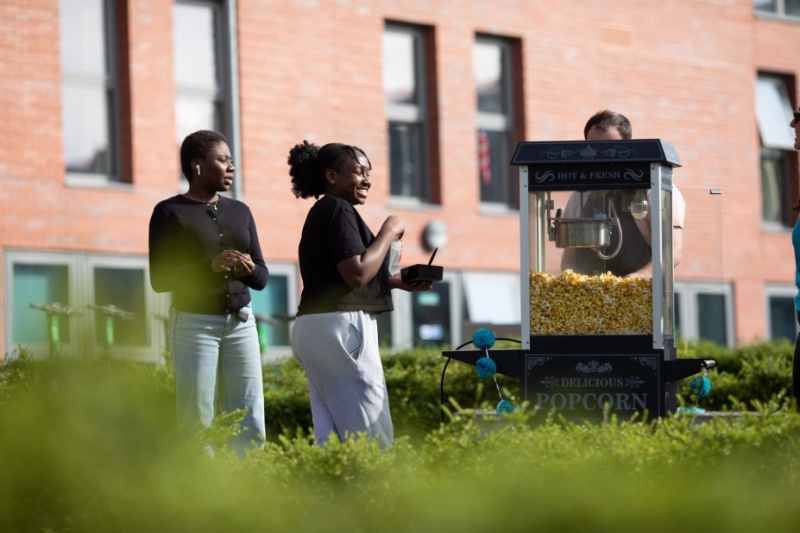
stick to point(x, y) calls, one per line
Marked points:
point(346, 284)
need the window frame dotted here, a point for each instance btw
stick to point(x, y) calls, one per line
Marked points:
point(460, 329)
point(777, 291)
point(110, 83)
point(446, 301)
point(290, 271)
point(775, 152)
point(402, 320)
point(225, 95)
point(686, 310)
point(82, 328)
point(780, 160)
point(778, 12)
point(12, 258)
point(153, 335)
point(495, 283)
point(501, 122)
point(416, 114)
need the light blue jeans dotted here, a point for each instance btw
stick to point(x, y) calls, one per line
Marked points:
point(217, 356)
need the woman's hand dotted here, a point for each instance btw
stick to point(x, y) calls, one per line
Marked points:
point(233, 260)
point(356, 271)
point(244, 267)
point(393, 227)
point(396, 282)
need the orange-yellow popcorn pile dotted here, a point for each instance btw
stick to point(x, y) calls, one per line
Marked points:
point(576, 304)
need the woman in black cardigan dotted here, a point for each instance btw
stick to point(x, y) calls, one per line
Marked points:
point(204, 250)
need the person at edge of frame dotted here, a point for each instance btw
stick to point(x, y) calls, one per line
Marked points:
point(347, 282)
point(204, 250)
point(795, 124)
point(635, 255)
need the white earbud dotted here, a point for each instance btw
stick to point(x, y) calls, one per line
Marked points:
point(197, 167)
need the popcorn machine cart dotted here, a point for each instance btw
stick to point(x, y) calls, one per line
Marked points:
point(596, 232)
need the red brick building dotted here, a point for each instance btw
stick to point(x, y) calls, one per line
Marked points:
point(96, 95)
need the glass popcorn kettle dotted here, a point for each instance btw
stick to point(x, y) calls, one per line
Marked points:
point(597, 220)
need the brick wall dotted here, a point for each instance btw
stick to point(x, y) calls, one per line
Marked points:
point(681, 71)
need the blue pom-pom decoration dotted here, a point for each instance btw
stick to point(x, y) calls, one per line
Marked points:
point(505, 408)
point(483, 338)
point(486, 367)
point(691, 410)
point(700, 386)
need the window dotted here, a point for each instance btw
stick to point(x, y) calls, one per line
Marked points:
point(386, 328)
point(112, 309)
point(275, 308)
point(492, 298)
point(449, 314)
point(774, 113)
point(89, 92)
point(781, 314)
point(492, 66)
point(430, 315)
point(704, 311)
point(423, 318)
point(779, 7)
point(201, 76)
point(406, 111)
point(119, 308)
point(38, 285)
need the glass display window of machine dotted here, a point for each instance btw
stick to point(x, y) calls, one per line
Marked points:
point(596, 232)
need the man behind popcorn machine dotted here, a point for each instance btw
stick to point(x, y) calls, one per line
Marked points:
point(634, 257)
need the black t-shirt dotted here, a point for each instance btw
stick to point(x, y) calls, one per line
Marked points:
point(334, 231)
point(634, 252)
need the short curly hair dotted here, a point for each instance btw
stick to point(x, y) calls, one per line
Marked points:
point(196, 146)
point(308, 162)
point(606, 119)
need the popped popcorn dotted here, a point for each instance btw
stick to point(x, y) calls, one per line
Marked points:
point(577, 304)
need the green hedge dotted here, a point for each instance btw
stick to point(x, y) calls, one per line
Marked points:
point(90, 446)
point(414, 380)
point(743, 377)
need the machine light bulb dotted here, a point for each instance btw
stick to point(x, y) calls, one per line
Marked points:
point(639, 205)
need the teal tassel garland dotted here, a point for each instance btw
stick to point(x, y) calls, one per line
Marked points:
point(700, 386)
point(483, 338)
point(486, 367)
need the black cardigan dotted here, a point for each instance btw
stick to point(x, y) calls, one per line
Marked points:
point(185, 235)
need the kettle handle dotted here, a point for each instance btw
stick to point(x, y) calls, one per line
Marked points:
point(613, 220)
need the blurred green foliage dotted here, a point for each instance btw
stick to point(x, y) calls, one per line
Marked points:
point(754, 373)
point(90, 445)
point(743, 376)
